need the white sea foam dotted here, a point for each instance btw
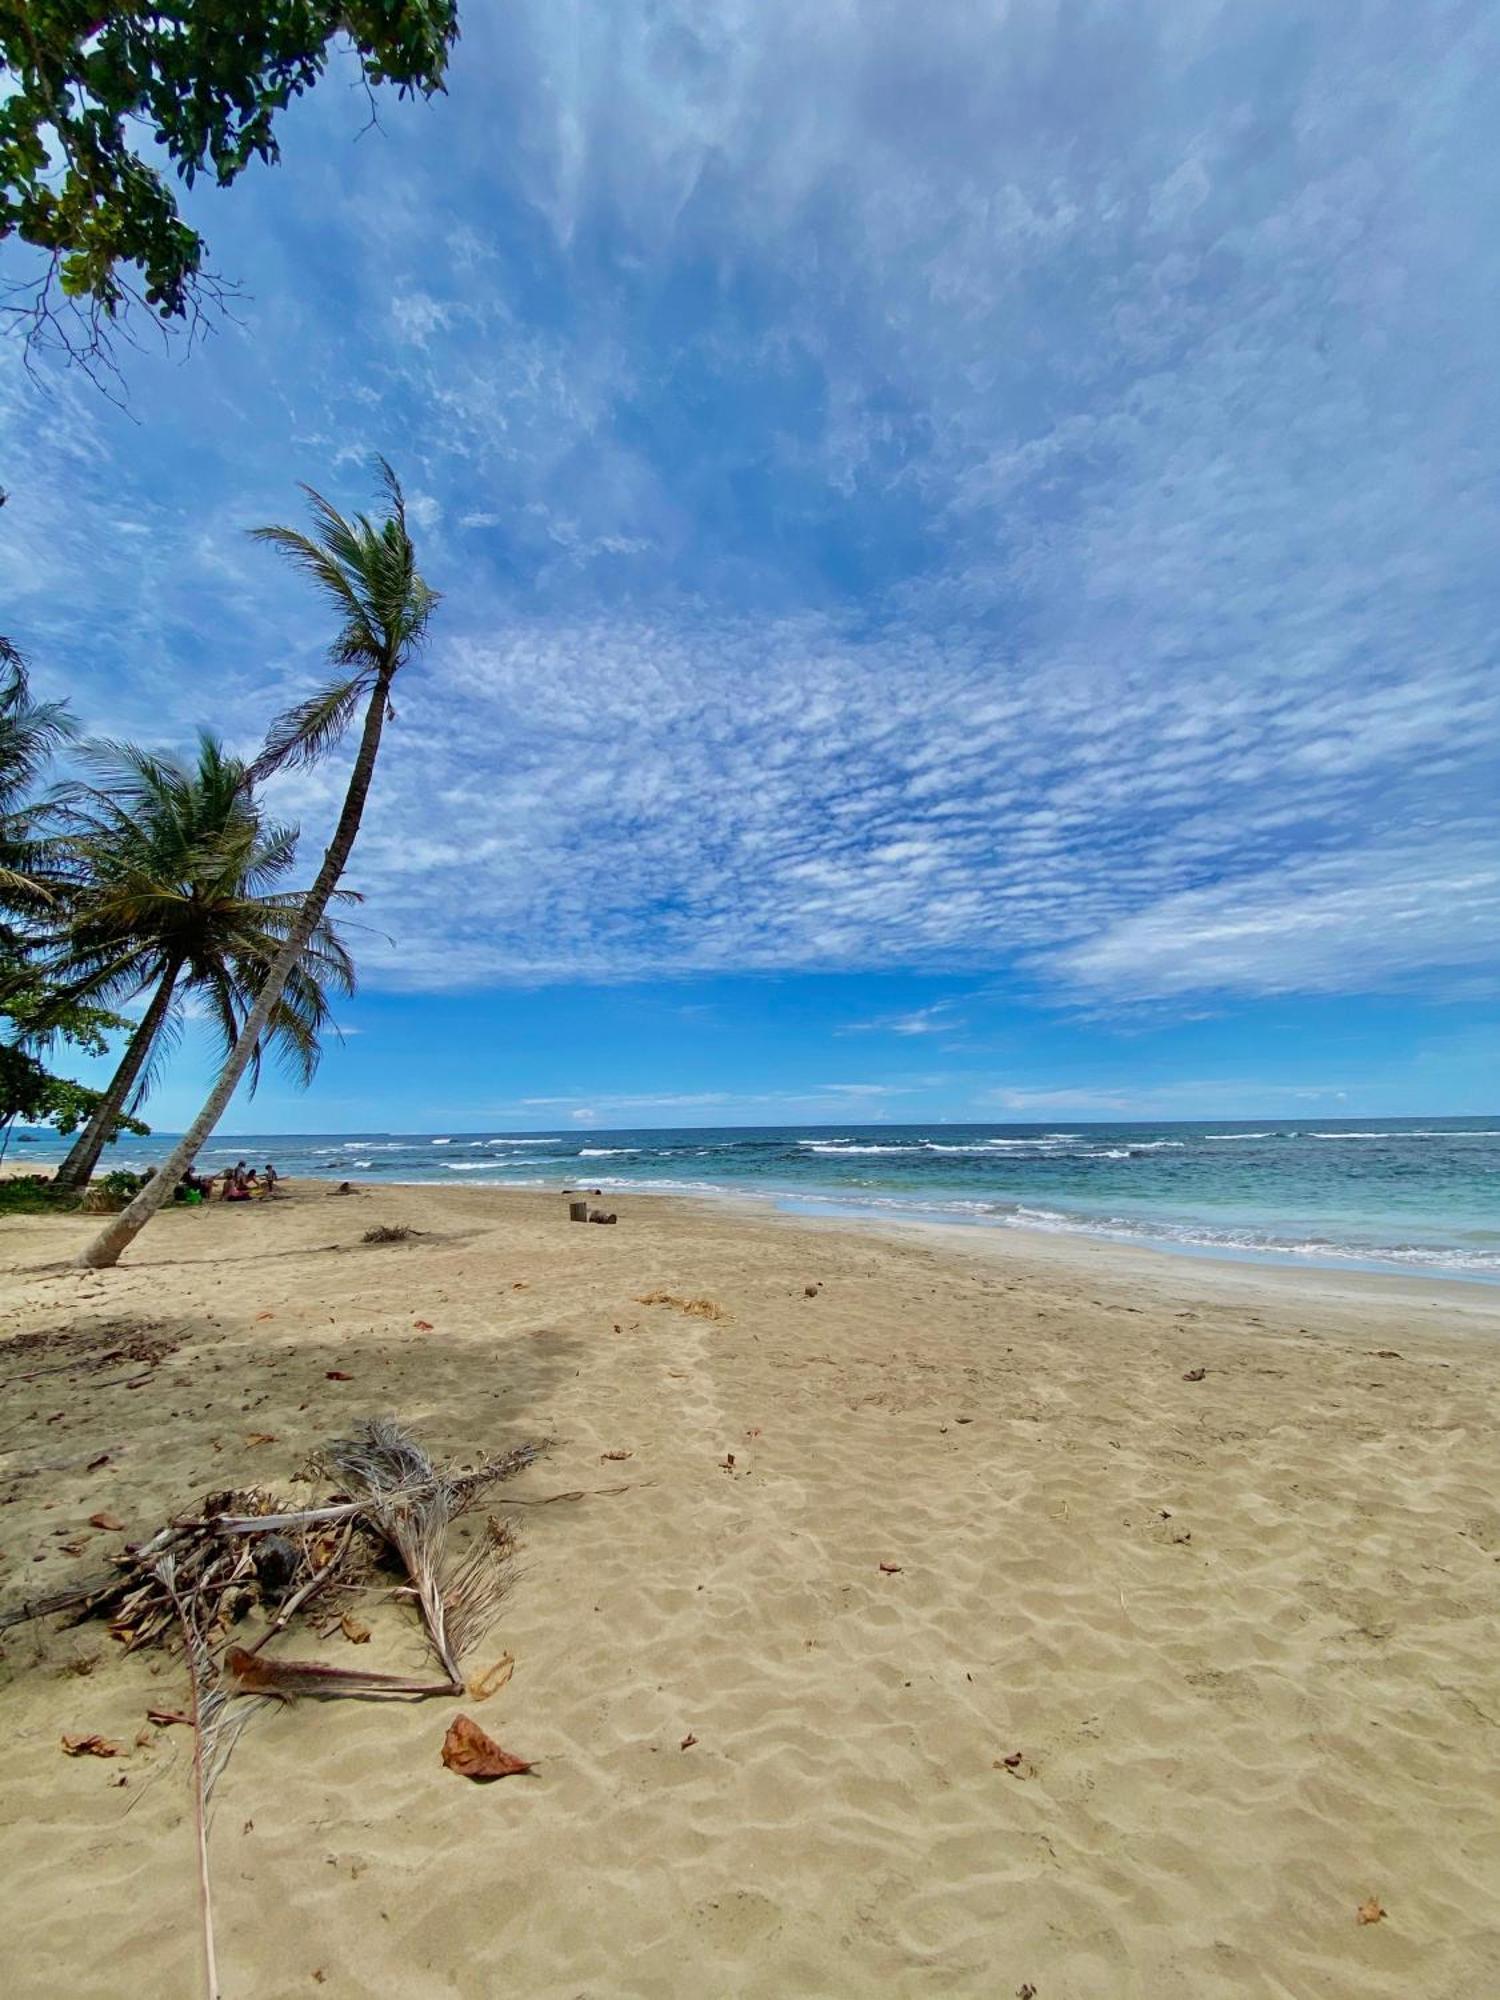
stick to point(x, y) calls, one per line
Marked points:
point(1172, 1235)
point(1470, 1134)
point(841, 1149)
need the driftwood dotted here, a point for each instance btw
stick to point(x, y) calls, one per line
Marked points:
point(213, 1553)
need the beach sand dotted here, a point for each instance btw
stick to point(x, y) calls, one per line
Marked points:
point(1165, 1678)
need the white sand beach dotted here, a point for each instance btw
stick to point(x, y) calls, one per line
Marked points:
point(1038, 1617)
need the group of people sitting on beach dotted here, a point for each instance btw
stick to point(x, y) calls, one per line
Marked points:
point(242, 1183)
point(239, 1183)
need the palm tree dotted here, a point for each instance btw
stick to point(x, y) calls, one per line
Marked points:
point(173, 870)
point(369, 575)
point(30, 733)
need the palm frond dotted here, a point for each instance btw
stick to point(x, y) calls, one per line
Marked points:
point(368, 573)
point(414, 1505)
point(301, 734)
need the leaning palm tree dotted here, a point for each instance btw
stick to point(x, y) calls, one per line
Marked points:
point(172, 871)
point(368, 572)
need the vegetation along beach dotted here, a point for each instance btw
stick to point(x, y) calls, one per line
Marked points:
point(749, 1001)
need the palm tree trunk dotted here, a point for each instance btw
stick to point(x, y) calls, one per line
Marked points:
point(122, 1229)
point(84, 1157)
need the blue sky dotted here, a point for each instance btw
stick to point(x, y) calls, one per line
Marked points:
point(969, 549)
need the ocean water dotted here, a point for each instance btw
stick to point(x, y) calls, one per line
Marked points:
point(1395, 1194)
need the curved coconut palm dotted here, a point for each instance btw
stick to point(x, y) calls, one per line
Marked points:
point(368, 573)
point(173, 870)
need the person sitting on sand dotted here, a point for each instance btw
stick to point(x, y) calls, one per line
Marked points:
point(236, 1188)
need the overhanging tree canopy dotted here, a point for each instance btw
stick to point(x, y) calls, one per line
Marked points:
point(91, 84)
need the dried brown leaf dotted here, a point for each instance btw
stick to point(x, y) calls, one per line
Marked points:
point(615, 1454)
point(482, 1686)
point(890, 1569)
point(110, 1523)
point(355, 1630)
point(688, 1741)
point(422, 1325)
point(472, 1753)
point(90, 1746)
point(338, 1375)
point(1369, 1911)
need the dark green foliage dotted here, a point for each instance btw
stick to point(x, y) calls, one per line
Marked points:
point(90, 83)
point(31, 1093)
point(32, 1014)
point(33, 1194)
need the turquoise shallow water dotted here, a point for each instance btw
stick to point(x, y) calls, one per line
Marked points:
point(1417, 1194)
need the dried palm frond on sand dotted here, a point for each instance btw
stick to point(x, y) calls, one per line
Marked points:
point(206, 1571)
point(413, 1505)
point(215, 1731)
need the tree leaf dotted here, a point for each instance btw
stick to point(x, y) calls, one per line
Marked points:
point(90, 1746)
point(482, 1686)
point(1369, 1911)
point(110, 1523)
point(469, 1751)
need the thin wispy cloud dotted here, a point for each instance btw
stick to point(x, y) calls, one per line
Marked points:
point(1002, 488)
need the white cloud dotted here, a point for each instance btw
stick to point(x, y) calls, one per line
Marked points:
point(959, 490)
point(1366, 918)
point(938, 1019)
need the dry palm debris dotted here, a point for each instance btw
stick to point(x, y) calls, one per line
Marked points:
point(245, 1551)
point(87, 1351)
point(694, 1308)
point(90, 1746)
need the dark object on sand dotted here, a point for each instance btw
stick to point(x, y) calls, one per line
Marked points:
point(390, 1232)
point(578, 1211)
point(599, 1215)
point(276, 1564)
point(344, 1187)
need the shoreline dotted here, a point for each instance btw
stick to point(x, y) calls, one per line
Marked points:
point(1406, 1200)
point(925, 1616)
point(981, 1237)
point(844, 1213)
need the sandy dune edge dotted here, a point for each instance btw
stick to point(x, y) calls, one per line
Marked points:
point(1242, 1631)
